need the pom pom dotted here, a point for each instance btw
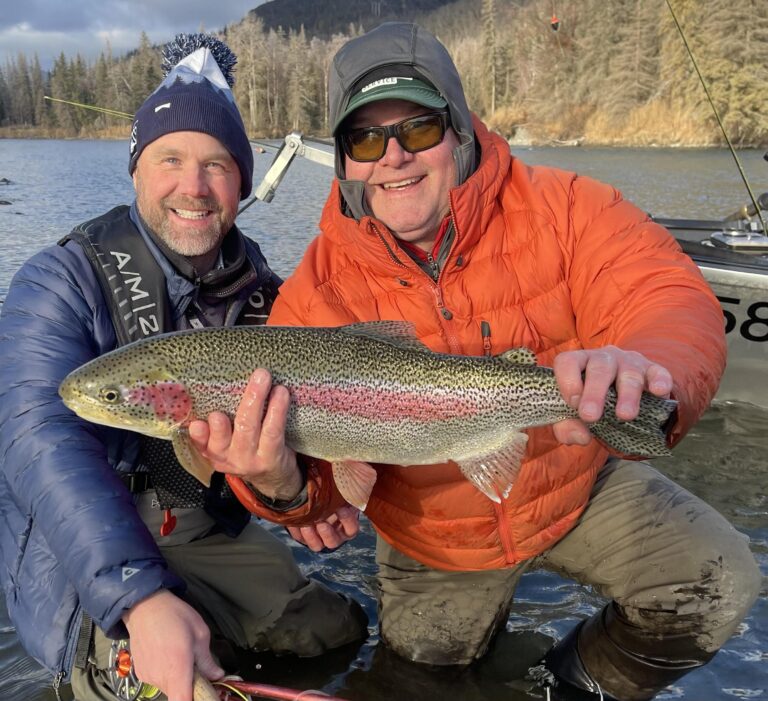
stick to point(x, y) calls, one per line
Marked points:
point(185, 44)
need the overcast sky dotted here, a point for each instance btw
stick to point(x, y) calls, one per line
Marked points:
point(48, 27)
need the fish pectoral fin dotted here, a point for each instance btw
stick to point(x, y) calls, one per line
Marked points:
point(190, 458)
point(494, 473)
point(354, 481)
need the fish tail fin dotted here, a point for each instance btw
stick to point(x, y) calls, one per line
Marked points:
point(643, 436)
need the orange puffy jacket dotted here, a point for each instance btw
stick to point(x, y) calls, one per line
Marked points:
point(551, 261)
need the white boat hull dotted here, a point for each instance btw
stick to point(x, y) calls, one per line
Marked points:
point(733, 258)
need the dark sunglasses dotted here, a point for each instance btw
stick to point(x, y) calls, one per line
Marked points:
point(414, 134)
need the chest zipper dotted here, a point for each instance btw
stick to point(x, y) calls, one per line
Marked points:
point(453, 342)
point(433, 267)
point(504, 536)
point(391, 253)
point(506, 541)
point(57, 680)
point(485, 332)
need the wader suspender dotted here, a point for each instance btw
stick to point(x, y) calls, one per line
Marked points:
point(131, 280)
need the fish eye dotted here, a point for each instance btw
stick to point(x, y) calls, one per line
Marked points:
point(110, 395)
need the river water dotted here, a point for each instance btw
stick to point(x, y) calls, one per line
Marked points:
point(57, 184)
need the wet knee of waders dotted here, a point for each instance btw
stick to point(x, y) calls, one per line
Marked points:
point(316, 621)
point(706, 603)
point(634, 664)
point(445, 635)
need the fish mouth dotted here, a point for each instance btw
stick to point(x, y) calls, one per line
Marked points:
point(90, 409)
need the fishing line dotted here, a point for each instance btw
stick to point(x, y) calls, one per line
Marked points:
point(758, 211)
point(125, 115)
point(105, 110)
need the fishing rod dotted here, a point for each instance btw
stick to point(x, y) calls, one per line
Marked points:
point(294, 145)
point(755, 203)
point(104, 110)
point(242, 689)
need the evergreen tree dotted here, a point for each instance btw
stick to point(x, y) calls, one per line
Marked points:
point(489, 53)
point(22, 102)
point(612, 70)
point(40, 105)
point(5, 100)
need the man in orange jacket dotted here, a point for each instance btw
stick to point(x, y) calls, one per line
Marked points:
point(431, 220)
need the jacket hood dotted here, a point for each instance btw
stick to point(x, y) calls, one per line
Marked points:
point(398, 44)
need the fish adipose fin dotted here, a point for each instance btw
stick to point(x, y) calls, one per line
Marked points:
point(189, 457)
point(494, 473)
point(519, 356)
point(354, 481)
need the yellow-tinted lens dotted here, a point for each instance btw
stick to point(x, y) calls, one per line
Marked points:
point(413, 134)
point(365, 144)
point(420, 133)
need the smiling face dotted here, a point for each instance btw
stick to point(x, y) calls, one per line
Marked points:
point(188, 192)
point(407, 191)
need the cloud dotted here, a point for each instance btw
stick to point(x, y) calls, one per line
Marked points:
point(49, 27)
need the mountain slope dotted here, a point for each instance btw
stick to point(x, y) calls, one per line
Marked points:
point(323, 18)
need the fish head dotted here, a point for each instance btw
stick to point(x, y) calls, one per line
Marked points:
point(132, 392)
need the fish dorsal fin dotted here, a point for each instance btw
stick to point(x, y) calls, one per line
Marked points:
point(396, 333)
point(518, 356)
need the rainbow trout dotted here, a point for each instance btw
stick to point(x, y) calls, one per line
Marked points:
point(366, 392)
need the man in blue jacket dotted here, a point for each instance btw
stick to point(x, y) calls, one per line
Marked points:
point(103, 535)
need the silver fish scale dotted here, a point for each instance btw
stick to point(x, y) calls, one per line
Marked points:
point(359, 397)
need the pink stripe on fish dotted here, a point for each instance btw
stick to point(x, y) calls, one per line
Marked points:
point(385, 404)
point(166, 399)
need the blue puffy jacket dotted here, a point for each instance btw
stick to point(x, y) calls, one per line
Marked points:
point(71, 538)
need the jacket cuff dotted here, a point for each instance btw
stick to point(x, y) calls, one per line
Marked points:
point(279, 504)
point(319, 498)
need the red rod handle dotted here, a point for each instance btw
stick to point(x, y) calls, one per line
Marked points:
point(278, 692)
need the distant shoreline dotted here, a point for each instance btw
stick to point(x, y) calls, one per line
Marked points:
point(518, 141)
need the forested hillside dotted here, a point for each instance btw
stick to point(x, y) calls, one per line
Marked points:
point(613, 72)
point(329, 17)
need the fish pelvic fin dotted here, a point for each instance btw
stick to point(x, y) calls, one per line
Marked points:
point(494, 473)
point(355, 481)
point(189, 457)
point(644, 436)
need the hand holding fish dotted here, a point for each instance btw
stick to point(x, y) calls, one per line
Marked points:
point(253, 446)
point(169, 639)
point(337, 529)
point(585, 376)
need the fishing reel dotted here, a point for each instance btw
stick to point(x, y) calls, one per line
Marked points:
point(125, 684)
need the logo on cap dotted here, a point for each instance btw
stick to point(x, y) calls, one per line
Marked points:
point(382, 81)
point(134, 134)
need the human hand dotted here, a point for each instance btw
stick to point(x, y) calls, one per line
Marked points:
point(584, 377)
point(255, 448)
point(169, 640)
point(331, 532)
